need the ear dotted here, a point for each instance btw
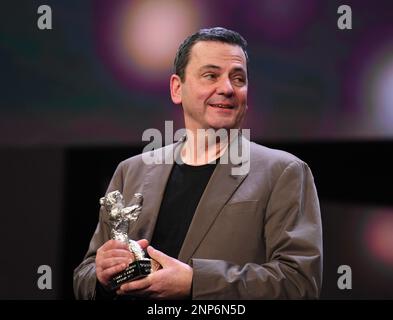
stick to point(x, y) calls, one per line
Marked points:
point(175, 85)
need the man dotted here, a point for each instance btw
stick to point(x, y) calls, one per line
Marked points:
point(217, 235)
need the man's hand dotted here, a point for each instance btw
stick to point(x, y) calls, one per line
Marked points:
point(173, 281)
point(112, 257)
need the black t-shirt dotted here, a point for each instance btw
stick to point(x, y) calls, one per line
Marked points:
point(184, 189)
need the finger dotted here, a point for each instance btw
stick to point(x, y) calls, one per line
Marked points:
point(110, 272)
point(143, 243)
point(159, 256)
point(113, 244)
point(108, 263)
point(116, 253)
point(135, 285)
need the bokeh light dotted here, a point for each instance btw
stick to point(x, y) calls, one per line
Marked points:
point(378, 236)
point(152, 32)
point(381, 91)
point(138, 39)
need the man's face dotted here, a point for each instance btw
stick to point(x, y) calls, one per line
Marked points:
point(214, 91)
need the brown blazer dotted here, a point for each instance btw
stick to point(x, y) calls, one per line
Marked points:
point(254, 236)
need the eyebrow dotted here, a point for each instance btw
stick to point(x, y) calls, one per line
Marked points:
point(209, 66)
point(213, 66)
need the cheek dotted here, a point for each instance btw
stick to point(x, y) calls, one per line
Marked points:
point(242, 95)
point(201, 93)
point(243, 102)
point(195, 94)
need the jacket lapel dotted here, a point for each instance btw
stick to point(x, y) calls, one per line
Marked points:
point(218, 191)
point(153, 191)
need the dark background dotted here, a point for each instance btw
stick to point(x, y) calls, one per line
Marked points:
point(75, 100)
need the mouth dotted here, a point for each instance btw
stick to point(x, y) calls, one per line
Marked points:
point(222, 106)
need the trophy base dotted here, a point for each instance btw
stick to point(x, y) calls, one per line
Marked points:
point(137, 269)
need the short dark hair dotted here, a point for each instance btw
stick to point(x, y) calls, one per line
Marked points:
point(213, 34)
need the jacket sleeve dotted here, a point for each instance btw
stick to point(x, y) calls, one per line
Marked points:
point(85, 280)
point(293, 242)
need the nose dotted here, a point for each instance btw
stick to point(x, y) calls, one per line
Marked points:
point(225, 87)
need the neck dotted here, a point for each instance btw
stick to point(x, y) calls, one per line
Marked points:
point(203, 146)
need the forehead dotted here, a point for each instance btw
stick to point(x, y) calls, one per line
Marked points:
point(216, 53)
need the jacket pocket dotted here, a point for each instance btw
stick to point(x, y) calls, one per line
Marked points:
point(241, 206)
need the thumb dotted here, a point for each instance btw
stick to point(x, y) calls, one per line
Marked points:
point(143, 243)
point(159, 256)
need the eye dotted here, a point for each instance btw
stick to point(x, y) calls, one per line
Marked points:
point(210, 76)
point(239, 80)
